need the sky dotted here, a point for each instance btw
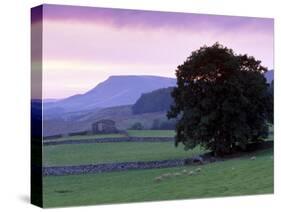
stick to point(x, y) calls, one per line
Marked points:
point(83, 46)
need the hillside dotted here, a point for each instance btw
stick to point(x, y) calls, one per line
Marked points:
point(155, 101)
point(79, 121)
point(269, 76)
point(146, 106)
point(115, 91)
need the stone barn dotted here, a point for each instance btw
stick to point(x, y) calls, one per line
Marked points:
point(104, 126)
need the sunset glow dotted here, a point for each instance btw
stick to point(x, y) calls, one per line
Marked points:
point(83, 46)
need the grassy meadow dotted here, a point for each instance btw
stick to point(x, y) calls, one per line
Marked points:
point(241, 176)
point(77, 154)
point(81, 137)
point(151, 133)
point(93, 153)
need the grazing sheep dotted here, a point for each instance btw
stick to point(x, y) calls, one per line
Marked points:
point(184, 171)
point(198, 169)
point(177, 174)
point(158, 179)
point(191, 173)
point(232, 168)
point(167, 175)
point(253, 158)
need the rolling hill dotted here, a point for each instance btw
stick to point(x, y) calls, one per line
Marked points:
point(269, 76)
point(80, 121)
point(154, 101)
point(115, 91)
point(117, 98)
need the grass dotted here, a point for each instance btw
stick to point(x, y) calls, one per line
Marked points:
point(75, 154)
point(151, 133)
point(136, 133)
point(81, 137)
point(233, 177)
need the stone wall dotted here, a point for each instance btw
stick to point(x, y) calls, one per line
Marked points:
point(109, 167)
point(123, 166)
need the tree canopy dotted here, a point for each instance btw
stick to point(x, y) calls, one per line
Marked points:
point(221, 100)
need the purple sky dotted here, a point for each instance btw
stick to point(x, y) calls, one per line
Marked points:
point(83, 46)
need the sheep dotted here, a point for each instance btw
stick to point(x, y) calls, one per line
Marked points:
point(177, 174)
point(184, 171)
point(198, 169)
point(191, 173)
point(167, 175)
point(253, 158)
point(158, 179)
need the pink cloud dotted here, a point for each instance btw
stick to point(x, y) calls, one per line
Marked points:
point(82, 46)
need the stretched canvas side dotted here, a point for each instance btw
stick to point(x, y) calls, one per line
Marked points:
point(36, 106)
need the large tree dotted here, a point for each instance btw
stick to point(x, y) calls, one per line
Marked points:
point(221, 100)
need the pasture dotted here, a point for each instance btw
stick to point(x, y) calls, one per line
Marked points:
point(77, 154)
point(151, 133)
point(81, 137)
point(240, 176)
point(246, 175)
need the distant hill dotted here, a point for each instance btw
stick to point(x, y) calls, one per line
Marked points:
point(80, 121)
point(269, 76)
point(154, 101)
point(146, 103)
point(161, 99)
point(49, 100)
point(115, 91)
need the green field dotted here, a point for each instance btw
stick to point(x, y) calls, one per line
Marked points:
point(151, 133)
point(76, 154)
point(134, 133)
point(81, 137)
point(241, 176)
